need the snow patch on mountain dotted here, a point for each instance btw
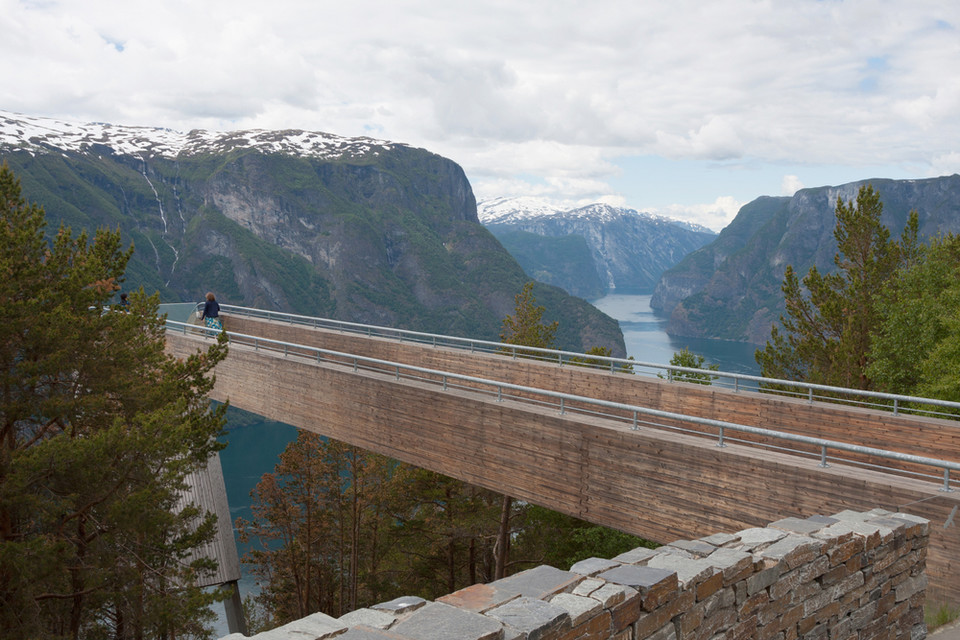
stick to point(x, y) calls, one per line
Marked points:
point(46, 135)
point(516, 210)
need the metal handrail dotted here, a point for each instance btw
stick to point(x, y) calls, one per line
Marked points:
point(563, 399)
point(560, 357)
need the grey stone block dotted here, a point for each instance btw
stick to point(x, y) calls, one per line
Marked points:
point(368, 633)
point(636, 556)
point(539, 583)
point(719, 539)
point(782, 548)
point(403, 604)
point(640, 578)
point(533, 618)
point(438, 621)
point(579, 608)
point(696, 548)
point(588, 586)
point(369, 617)
point(593, 566)
point(612, 594)
point(316, 626)
point(757, 538)
point(730, 561)
point(690, 571)
point(803, 526)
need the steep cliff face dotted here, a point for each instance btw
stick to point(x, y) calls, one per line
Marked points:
point(353, 229)
point(731, 288)
point(604, 248)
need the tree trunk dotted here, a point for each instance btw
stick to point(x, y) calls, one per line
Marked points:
point(503, 539)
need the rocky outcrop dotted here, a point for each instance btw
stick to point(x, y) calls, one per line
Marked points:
point(730, 289)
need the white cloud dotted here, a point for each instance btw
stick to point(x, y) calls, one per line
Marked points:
point(550, 92)
point(715, 215)
point(790, 185)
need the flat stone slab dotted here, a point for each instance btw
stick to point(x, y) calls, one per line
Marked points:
point(719, 539)
point(696, 548)
point(690, 571)
point(593, 566)
point(538, 583)
point(642, 579)
point(368, 633)
point(369, 617)
point(579, 608)
point(783, 548)
point(316, 626)
point(403, 604)
point(533, 618)
point(730, 561)
point(438, 621)
point(636, 556)
point(804, 526)
point(751, 539)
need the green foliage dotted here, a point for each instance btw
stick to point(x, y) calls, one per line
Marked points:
point(686, 358)
point(526, 327)
point(937, 614)
point(916, 347)
point(98, 430)
point(826, 335)
point(548, 537)
point(597, 363)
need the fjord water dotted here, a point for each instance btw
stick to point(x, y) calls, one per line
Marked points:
point(646, 339)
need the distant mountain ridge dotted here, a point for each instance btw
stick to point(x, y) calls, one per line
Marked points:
point(730, 288)
point(349, 228)
point(592, 250)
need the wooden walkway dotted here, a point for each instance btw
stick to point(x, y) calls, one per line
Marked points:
point(654, 481)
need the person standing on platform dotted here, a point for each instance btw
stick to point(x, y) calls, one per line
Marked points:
point(211, 313)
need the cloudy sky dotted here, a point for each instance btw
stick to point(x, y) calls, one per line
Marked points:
point(686, 108)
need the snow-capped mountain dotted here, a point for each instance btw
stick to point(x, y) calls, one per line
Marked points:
point(38, 134)
point(522, 209)
point(317, 224)
point(590, 250)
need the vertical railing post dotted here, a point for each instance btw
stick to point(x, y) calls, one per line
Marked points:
point(561, 405)
point(810, 395)
point(720, 441)
point(896, 407)
point(823, 456)
point(946, 480)
point(635, 427)
point(499, 393)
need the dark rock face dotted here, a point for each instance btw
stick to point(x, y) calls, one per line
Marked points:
point(385, 235)
point(597, 250)
point(730, 289)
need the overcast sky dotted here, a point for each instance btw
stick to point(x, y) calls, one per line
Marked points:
point(690, 109)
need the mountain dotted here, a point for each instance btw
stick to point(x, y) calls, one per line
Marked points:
point(349, 228)
point(592, 250)
point(730, 289)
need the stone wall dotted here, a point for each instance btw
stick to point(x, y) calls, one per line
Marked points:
point(850, 576)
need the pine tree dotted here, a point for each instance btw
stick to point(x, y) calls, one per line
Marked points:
point(827, 331)
point(98, 429)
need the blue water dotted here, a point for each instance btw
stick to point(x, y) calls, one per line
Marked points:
point(646, 339)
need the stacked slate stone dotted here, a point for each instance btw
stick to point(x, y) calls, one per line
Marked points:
point(848, 576)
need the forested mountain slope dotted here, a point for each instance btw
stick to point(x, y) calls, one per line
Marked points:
point(730, 288)
point(349, 228)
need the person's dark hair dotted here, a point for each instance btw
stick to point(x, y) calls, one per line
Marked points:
point(210, 296)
